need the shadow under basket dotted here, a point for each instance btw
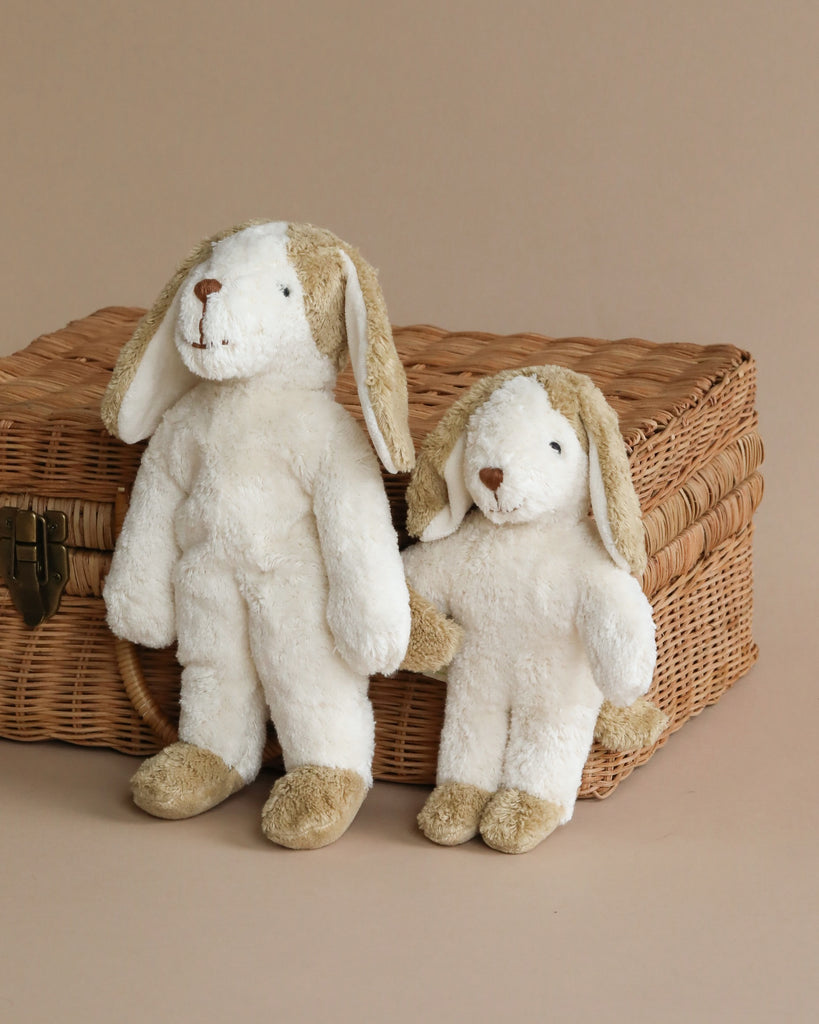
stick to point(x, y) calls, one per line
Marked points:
point(688, 418)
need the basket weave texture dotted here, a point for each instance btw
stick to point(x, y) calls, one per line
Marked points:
point(687, 414)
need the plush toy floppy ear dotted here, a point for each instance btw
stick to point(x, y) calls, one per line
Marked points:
point(458, 499)
point(614, 501)
point(149, 377)
point(379, 375)
point(437, 496)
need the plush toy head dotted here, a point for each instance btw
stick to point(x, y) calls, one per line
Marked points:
point(286, 300)
point(540, 442)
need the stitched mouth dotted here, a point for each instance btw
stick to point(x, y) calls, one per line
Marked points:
point(202, 344)
point(501, 512)
point(499, 508)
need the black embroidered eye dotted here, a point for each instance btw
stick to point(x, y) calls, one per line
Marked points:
point(286, 291)
point(555, 445)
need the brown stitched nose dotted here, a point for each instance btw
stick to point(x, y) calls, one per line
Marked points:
point(491, 477)
point(207, 286)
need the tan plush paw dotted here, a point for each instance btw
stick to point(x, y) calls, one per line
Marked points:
point(312, 806)
point(183, 780)
point(452, 813)
point(515, 822)
point(639, 725)
point(434, 639)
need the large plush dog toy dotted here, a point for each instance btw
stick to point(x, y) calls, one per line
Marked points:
point(553, 618)
point(259, 534)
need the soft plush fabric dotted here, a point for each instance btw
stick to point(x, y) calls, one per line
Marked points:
point(553, 621)
point(311, 806)
point(434, 639)
point(438, 497)
point(639, 725)
point(182, 781)
point(452, 814)
point(259, 535)
point(515, 821)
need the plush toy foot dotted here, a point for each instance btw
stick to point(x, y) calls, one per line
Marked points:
point(183, 780)
point(632, 728)
point(515, 822)
point(452, 813)
point(312, 806)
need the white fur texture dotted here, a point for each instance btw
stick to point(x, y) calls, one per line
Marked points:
point(259, 534)
point(552, 625)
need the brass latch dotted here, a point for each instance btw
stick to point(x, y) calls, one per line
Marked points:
point(34, 561)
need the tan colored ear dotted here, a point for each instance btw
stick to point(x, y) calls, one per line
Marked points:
point(149, 377)
point(428, 495)
point(379, 375)
point(614, 501)
point(458, 498)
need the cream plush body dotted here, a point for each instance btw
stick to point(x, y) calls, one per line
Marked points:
point(259, 535)
point(553, 620)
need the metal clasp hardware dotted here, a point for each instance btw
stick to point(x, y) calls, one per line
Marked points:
point(34, 561)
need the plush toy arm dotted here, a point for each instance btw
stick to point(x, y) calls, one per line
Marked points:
point(138, 591)
point(639, 725)
point(368, 604)
point(617, 627)
point(434, 639)
point(431, 567)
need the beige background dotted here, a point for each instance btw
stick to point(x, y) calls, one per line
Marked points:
point(606, 168)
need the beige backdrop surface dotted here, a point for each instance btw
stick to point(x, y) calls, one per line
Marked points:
point(603, 168)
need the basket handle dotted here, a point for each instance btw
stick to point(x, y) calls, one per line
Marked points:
point(140, 696)
point(130, 669)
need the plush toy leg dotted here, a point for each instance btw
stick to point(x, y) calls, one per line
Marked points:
point(182, 780)
point(312, 806)
point(548, 747)
point(475, 729)
point(452, 813)
point(222, 705)
point(319, 705)
point(515, 822)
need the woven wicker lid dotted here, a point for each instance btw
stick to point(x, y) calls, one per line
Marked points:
point(649, 384)
point(51, 390)
point(61, 375)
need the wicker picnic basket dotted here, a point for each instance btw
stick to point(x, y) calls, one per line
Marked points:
point(688, 417)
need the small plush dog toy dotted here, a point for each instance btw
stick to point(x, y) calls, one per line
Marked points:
point(259, 535)
point(553, 619)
